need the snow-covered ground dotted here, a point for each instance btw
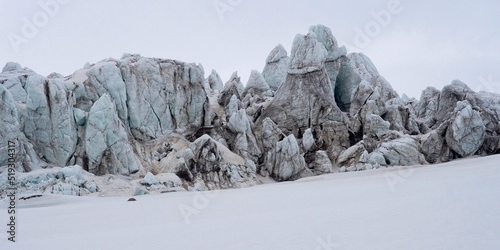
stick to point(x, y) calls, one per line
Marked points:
point(448, 206)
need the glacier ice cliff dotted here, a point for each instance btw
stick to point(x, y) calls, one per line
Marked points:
point(154, 125)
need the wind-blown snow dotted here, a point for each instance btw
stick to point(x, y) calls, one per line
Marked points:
point(446, 206)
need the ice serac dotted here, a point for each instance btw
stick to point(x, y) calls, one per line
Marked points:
point(402, 151)
point(347, 71)
point(489, 104)
point(368, 72)
point(376, 126)
point(214, 165)
point(321, 163)
point(214, 81)
point(232, 107)
point(163, 95)
point(466, 132)
point(305, 99)
point(49, 121)
point(433, 147)
point(276, 67)
point(257, 94)
point(324, 35)
point(232, 87)
point(13, 138)
point(449, 97)
point(400, 117)
point(429, 101)
point(106, 141)
point(256, 85)
point(354, 68)
point(14, 80)
point(270, 135)
point(289, 163)
point(308, 55)
point(332, 64)
point(366, 103)
point(350, 157)
point(242, 139)
point(11, 66)
point(427, 108)
point(236, 80)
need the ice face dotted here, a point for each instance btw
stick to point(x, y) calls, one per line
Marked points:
point(107, 78)
point(49, 119)
point(106, 141)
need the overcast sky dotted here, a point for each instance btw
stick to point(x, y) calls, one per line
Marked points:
point(414, 44)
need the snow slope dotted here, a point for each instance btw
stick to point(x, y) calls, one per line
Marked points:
point(447, 206)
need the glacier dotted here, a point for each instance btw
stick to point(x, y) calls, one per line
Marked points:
point(316, 110)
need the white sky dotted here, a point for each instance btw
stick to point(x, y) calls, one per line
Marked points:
point(427, 43)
